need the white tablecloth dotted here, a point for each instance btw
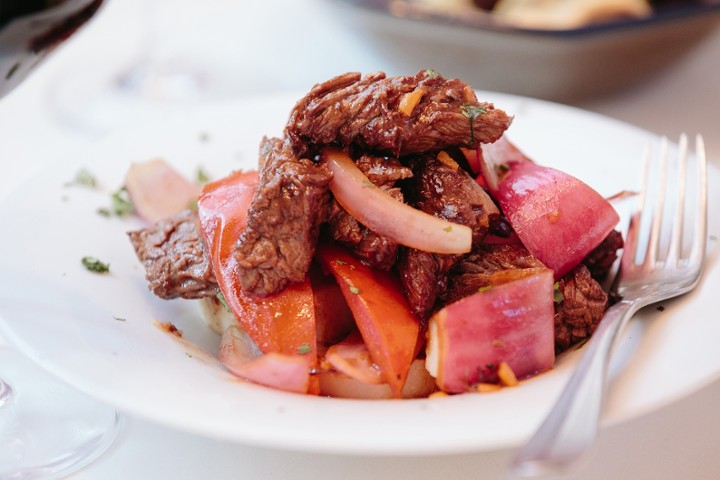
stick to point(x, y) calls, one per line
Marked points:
point(270, 46)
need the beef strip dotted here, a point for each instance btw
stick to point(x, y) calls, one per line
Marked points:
point(601, 260)
point(448, 192)
point(376, 250)
point(377, 112)
point(475, 270)
point(581, 309)
point(172, 253)
point(284, 219)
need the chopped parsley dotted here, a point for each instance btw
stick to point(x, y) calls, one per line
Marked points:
point(120, 204)
point(558, 296)
point(221, 299)
point(304, 349)
point(432, 73)
point(472, 112)
point(84, 178)
point(501, 168)
point(201, 176)
point(95, 265)
point(355, 290)
point(484, 288)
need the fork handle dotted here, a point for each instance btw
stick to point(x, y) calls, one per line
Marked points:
point(572, 424)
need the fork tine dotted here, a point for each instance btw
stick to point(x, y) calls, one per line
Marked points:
point(631, 249)
point(697, 255)
point(653, 245)
point(676, 242)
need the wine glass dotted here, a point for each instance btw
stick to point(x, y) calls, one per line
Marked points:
point(47, 429)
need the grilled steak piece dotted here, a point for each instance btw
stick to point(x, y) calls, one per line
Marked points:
point(582, 307)
point(475, 270)
point(601, 260)
point(446, 191)
point(376, 250)
point(172, 253)
point(284, 219)
point(395, 115)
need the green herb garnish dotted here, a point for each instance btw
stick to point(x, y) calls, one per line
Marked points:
point(472, 112)
point(95, 265)
point(84, 178)
point(432, 73)
point(355, 290)
point(558, 296)
point(201, 176)
point(221, 299)
point(120, 204)
point(304, 349)
point(501, 168)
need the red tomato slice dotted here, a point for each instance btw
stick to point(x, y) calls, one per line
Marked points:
point(282, 323)
point(390, 331)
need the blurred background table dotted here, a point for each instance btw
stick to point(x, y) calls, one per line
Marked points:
point(255, 48)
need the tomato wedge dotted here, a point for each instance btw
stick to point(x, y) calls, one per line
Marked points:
point(282, 323)
point(390, 331)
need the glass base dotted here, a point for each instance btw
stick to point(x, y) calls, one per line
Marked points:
point(47, 429)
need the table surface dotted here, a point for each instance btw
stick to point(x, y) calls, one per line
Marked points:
point(277, 45)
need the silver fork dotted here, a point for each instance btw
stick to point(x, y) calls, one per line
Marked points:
point(662, 269)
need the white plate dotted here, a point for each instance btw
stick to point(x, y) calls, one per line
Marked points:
point(96, 331)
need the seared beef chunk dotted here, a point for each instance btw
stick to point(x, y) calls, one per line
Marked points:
point(284, 219)
point(376, 250)
point(600, 260)
point(396, 115)
point(476, 270)
point(175, 263)
point(424, 278)
point(441, 189)
point(582, 307)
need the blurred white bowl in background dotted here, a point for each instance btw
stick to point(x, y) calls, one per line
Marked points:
point(561, 65)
